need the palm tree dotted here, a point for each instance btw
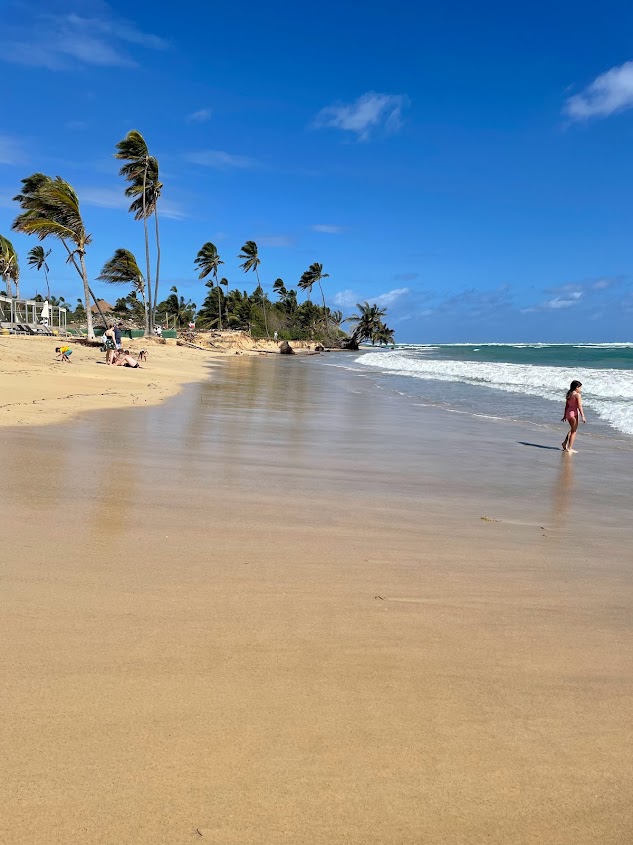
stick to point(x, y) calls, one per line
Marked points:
point(384, 336)
point(368, 322)
point(122, 269)
point(153, 189)
point(313, 275)
point(208, 261)
point(9, 268)
point(37, 258)
point(141, 171)
point(183, 311)
point(251, 261)
point(305, 283)
point(51, 209)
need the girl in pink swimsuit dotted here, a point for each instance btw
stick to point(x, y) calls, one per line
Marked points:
point(573, 411)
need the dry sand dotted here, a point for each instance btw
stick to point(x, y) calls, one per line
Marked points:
point(36, 389)
point(269, 611)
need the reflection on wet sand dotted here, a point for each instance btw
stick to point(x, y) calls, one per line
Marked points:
point(562, 491)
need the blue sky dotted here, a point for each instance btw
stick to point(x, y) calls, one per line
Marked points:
point(468, 166)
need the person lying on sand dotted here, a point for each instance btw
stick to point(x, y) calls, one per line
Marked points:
point(125, 360)
point(63, 354)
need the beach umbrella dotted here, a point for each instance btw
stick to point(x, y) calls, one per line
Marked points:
point(45, 310)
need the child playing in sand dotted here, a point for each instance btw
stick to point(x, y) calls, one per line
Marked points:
point(573, 410)
point(63, 354)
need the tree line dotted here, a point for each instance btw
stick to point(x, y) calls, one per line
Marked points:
point(50, 209)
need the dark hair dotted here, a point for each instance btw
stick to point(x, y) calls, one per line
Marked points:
point(58, 349)
point(573, 387)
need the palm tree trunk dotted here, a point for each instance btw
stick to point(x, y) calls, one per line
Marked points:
point(87, 294)
point(48, 288)
point(157, 258)
point(149, 281)
point(219, 308)
point(17, 289)
point(263, 303)
point(146, 312)
point(327, 327)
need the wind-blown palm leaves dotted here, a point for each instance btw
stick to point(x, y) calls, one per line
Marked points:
point(37, 258)
point(181, 311)
point(141, 170)
point(9, 267)
point(251, 261)
point(122, 269)
point(208, 262)
point(51, 209)
point(313, 275)
point(369, 325)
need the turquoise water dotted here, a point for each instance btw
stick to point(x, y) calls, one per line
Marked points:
point(510, 381)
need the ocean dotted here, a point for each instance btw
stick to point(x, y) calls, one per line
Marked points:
point(522, 381)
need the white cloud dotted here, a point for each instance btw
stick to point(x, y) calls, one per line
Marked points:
point(348, 298)
point(367, 114)
point(386, 299)
point(10, 151)
point(345, 298)
point(327, 229)
point(220, 160)
point(559, 302)
point(59, 41)
point(609, 93)
point(200, 116)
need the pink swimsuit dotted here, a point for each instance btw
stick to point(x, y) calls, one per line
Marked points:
point(571, 408)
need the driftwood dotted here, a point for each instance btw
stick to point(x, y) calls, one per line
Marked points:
point(194, 346)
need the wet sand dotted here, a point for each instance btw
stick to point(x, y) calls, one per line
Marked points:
point(270, 611)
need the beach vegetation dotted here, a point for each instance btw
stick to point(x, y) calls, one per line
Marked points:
point(123, 269)
point(208, 262)
point(369, 326)
point(175, 309)
point(249, 256)
point(36, 258)
point(9, 267)
point(141, 171)
point(313, 275)
point(50, 208)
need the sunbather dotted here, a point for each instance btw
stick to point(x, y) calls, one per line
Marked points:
point(125, 360)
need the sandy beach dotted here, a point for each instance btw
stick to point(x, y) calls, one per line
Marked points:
point(284, 607)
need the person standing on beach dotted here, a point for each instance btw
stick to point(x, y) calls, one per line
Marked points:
point(110, 344)
point(573, 410)
point(117, 336)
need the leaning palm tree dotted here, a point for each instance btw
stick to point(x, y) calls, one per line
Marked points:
point(50, 208)
point(251, 261)
point(122, 269)
point(36, 258)
point(9, 267)
point(368, 323)
point(140, 169)
point(208, 262)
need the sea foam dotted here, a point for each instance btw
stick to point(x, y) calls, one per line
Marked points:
point(608, 392)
